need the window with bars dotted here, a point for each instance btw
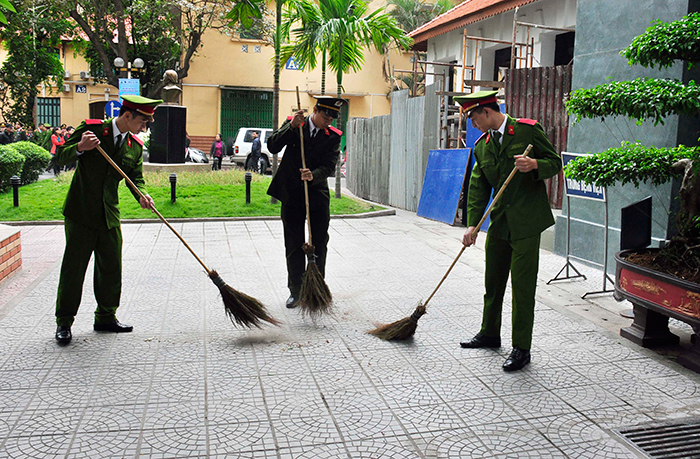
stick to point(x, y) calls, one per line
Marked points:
point(48, 110)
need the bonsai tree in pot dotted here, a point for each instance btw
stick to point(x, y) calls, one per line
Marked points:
point(660, 283)
point(662, 45)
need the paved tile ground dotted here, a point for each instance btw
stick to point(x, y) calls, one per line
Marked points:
point(186, 383)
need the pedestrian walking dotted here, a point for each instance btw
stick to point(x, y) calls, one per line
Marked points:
point(217, 153)
point(517, 220)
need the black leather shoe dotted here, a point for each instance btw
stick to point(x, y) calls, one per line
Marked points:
point(517, 359)
point(63, 334)
point(481, 341)
point(115, 327)
point(292, 301)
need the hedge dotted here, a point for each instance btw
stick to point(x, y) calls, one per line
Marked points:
point(36, 160)
point(10, 164)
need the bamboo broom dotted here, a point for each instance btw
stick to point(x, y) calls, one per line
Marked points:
point(242, 309)
point(406, 327)
point(315, 298)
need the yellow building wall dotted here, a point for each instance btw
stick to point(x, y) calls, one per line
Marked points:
point(221, 63)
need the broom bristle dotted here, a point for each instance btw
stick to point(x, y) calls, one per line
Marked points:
point(401, 329)
point(242, 309)
point(315, 298)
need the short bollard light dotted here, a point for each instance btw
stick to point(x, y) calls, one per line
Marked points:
point(15, 181)
point(248, 179)
point(173, 186)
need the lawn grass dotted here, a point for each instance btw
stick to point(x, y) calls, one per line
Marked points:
point(199, 194)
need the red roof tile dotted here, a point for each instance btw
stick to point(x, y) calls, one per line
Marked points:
point(467, 12)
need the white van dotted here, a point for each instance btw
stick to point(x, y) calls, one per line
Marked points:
point(243, 144)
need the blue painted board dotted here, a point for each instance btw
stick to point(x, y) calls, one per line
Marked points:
point(442, 185)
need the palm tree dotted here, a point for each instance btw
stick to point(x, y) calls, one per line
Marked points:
point(342, 28)
point(411, 14)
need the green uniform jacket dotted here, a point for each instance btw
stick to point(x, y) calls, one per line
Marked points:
point(321, 154)
point(523, 210)
point(93, 198)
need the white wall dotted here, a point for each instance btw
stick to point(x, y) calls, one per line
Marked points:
point(553, 13)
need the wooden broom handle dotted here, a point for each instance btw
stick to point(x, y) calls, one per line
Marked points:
point(134, 187)
point(481, 222)
point(303, 165)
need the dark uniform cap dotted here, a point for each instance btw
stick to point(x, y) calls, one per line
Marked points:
point(476, 99)
point(141, 104)
point(330, 105)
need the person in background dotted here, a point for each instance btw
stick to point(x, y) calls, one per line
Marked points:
point(69, 131)
point(56, 141)
point(46, 139)
point(217, 152)
point(20, 134)
point(255, 152)
point(7, 136)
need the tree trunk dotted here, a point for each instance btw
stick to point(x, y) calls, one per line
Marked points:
point(339, 90)
point(276, 84)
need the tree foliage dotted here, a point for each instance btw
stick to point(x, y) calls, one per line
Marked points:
point(665, 43)
point(7, 6)
point(32, 38)
point(166, 34)
point(342, 29)
point(632, 163)
point(641, 99)
point(411, 14)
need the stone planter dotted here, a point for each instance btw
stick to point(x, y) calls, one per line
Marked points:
point(656, 297)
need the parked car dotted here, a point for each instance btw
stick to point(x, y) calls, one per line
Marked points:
point(243, 144)
point(194, 155)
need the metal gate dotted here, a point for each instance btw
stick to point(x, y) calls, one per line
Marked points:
point(538, 93)
point(244, 108)
point(48, 110)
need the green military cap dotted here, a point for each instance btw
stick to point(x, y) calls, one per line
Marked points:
point(141, 104)
point(330, 105)
point(476, 99)
point(47, 125)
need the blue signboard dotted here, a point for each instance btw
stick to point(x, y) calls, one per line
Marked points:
point(112, 108)
point(442, 185)
point(80, 89)
point(292, 64)
point(578, 188)
point(129, 86)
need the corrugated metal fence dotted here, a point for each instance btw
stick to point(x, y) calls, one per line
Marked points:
point(387, 155)
point(538, 93)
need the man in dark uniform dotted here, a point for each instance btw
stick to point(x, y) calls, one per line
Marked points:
point(517, 219)
point(321, 151)
point(255, 152)
point(91, 211)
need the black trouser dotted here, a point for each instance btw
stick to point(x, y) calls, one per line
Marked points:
point(294, 221)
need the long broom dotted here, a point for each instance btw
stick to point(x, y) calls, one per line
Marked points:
point(406, 327)
point(315, 297)
point(242, 309)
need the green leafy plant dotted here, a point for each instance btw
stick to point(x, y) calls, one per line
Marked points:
point(10, 164)
point(651, 99)
point(36, 160)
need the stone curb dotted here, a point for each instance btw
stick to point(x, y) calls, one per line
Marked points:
point(376, 213)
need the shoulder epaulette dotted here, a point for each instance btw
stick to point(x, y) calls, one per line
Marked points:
point(136, 138)
point(336, 130)
point(481, 137)
point(91, 122)
point(289, 118)
point(527, 121)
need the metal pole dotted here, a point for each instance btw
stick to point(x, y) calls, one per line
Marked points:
point(248, 178)
point(15, 181)
point(173, 186)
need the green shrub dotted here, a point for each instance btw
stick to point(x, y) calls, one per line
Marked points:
point(36, 160)
point(10, 164)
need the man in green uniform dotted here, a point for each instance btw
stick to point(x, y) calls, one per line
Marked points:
point(321, 151)
point(517, 219)
point(45, 140)
point(91, 211)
